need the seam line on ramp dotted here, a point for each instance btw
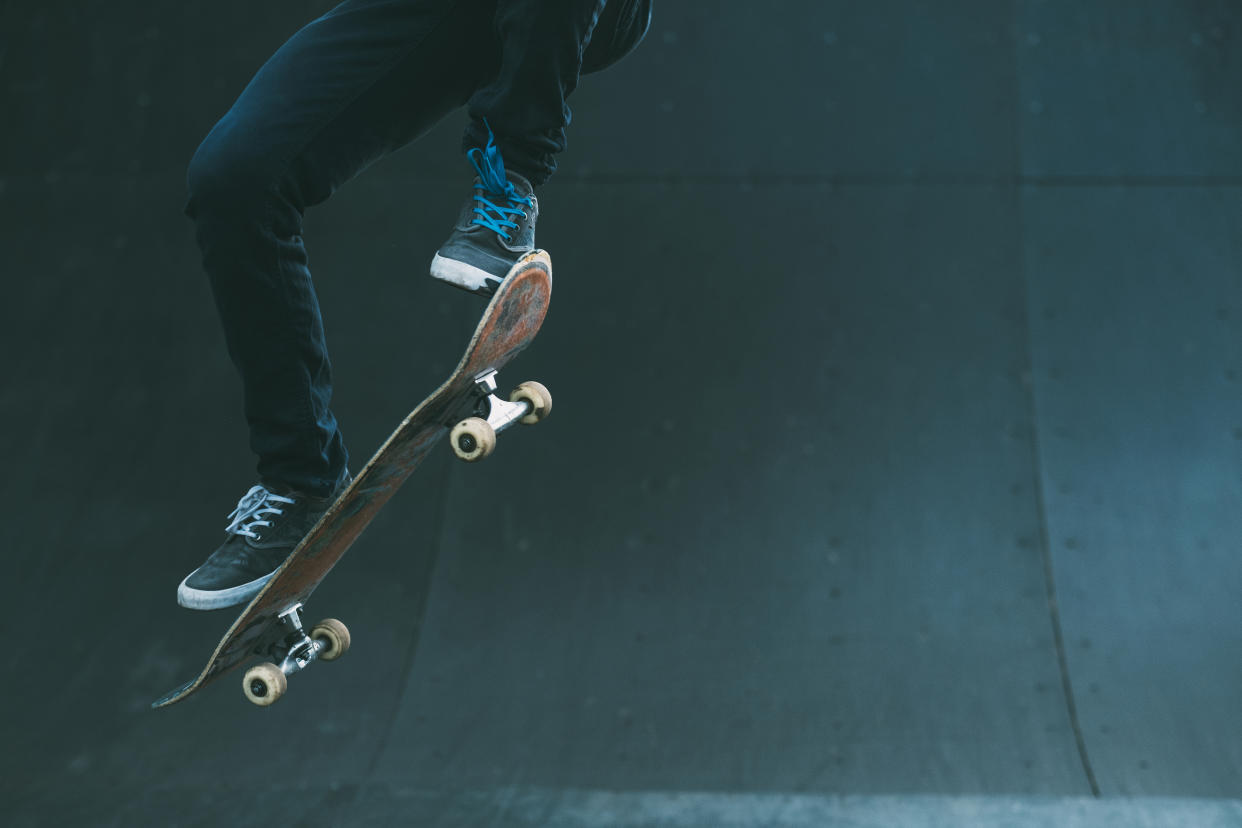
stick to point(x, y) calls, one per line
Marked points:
point(1037, 468)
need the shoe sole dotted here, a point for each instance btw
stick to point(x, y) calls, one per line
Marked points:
point(464, 276)
point(200, 599)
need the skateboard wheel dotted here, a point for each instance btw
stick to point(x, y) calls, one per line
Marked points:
point(537, 396)
point(335, 637)
point(473, 439)
point(264, 683)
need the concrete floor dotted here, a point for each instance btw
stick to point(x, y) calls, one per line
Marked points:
point(893, 478)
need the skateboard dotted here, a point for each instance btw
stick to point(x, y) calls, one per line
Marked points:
point(467, 409)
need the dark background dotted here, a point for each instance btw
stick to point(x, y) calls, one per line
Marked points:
point(893, 478)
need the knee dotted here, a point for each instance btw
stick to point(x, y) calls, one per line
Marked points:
point(225, 176)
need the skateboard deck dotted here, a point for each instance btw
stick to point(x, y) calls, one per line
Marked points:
point(270, 625)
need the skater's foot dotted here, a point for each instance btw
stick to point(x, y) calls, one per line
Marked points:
point(264, 529)
point(496, 227)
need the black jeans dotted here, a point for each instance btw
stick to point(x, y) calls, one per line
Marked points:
point(357, 83)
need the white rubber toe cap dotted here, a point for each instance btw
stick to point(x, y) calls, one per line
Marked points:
point(199, 599)
point(462, 275)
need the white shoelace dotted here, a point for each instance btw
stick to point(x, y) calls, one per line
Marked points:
point(251, 509)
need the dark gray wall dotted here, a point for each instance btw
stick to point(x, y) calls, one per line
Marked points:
point(896, 448)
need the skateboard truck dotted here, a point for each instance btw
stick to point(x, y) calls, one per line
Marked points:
point(293, 652)
point(475, 437)
point(300, 648)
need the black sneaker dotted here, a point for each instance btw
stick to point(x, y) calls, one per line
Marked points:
point(264, 529)
point(496, 227)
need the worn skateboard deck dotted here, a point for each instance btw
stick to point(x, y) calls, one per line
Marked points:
point(510, 322)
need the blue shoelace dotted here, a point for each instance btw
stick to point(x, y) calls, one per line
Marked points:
point(491, 169)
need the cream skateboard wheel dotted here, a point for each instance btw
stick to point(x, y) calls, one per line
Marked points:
point(473, 439)
point(264, 683)
point(537, 397)
point(335, 637)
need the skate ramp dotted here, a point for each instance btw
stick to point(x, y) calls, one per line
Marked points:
point(892, 477)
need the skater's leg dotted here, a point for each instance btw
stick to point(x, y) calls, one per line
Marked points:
point(518, 119)
point(360, 81)
point(541, 48)
point(545, 45)
point(364, 79)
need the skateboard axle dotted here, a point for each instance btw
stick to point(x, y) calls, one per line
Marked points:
point(296, 650)
point(500, 412)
